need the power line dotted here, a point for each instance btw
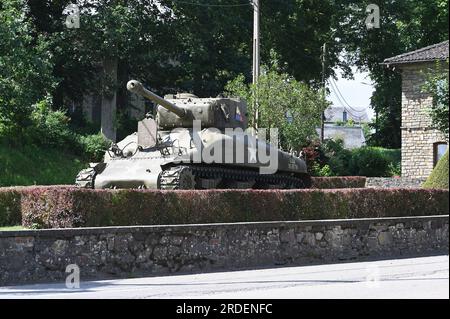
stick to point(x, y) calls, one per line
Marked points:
point(359, 117)
point(213, 5)
point(345, 101)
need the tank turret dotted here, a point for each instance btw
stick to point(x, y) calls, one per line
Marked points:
point(179, 110)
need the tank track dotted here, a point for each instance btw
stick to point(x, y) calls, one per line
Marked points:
point(188, 176)
point(177, 177)
point(85, 178)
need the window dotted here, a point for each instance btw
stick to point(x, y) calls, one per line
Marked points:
point(439, 150)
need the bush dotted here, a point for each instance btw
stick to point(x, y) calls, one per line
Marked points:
point(93, 146)
point(72, 207)
point(338, 157)
point(364, 161)
point(10, 213)
point(370, 162)
point(439, 175)
point(48, 127)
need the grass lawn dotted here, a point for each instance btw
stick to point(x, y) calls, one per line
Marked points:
point(12, 228)
point(31, 165)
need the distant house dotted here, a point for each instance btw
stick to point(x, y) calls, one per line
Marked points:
point(422, 146)
point(337, 114)
point(345, 124)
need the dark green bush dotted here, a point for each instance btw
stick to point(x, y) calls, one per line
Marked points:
point(370, 162)
point(338, 157)
point(364, 161)
point(10, 212)
point(48, 127)
point(93, 146)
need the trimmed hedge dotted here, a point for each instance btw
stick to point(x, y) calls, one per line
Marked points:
point(439, 175)
point(10, 212)
point(44, 207)
point(338, 182)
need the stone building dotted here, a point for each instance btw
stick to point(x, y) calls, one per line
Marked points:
point(422, 146)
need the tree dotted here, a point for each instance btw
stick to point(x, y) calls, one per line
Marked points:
point(404, 26)
point(437, 85)
point(25, 69)
point(284, 103)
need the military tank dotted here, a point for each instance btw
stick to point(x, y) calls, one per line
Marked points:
point(194, 143)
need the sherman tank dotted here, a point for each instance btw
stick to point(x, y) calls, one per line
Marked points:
point(194, 143)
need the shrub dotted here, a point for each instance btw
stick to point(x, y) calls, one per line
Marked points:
point(316, 170)
point(439, 175)
point(370, 162)
point(395, 169)
point(93, 146)
point(364, 161)
point(48, 127)
point(10, 213)
point(338, 158)
point(71, 207)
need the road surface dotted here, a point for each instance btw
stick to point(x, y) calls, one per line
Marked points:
point(426, 277)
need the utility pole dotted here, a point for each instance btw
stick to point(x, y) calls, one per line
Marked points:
point(256, 59)
point(322, 128)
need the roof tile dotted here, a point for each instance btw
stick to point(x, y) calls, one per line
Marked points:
point(433, 52)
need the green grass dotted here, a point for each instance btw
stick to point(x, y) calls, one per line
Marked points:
point(10, 228)
point(31, 165)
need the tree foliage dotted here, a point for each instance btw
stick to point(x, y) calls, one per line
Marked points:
point(197, 46)
point(404, 26)
point(283, 103)
point(25, 68)
point(437, 85)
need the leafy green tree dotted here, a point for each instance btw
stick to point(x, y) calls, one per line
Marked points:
point(25, 68)
point(404, 26)
point(437, 85)
point(284, 103)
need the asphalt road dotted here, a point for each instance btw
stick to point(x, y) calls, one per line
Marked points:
point(426, 277)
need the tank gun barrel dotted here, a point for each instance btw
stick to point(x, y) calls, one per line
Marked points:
point(137, 88)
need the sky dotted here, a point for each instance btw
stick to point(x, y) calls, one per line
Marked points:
point(356, 92)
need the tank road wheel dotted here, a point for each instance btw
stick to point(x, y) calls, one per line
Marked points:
point(186, 179)
point(180, 177)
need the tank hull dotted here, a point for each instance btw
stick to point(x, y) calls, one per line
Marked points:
point(205, 159)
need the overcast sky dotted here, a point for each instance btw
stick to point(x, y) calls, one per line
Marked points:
point(356, 92)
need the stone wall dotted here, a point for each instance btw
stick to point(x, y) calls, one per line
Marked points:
point(394, 182)
point(417, 135)
point(43, 255)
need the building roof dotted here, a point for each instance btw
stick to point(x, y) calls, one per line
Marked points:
point(430, 53)
point(335, 114)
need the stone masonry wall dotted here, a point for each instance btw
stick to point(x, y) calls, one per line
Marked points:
point(417, 135)
point(394, 182)
point(43, 255)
